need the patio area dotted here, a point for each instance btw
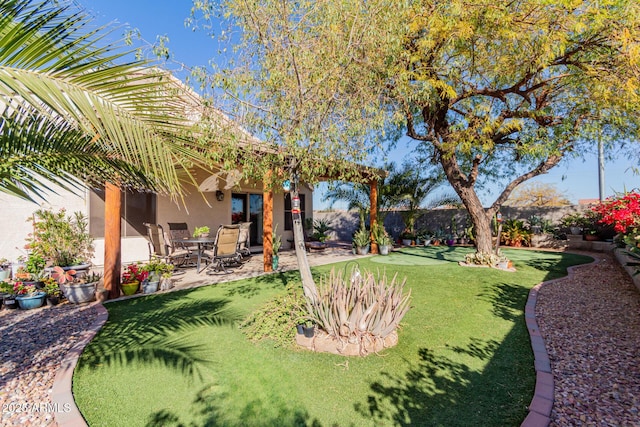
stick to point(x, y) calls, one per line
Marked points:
point(186, 278)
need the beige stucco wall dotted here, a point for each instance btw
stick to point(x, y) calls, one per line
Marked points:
point(198, 212)
point(14, 227)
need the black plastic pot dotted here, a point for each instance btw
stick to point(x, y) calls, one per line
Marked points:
point(10, 302)
point(308, 331)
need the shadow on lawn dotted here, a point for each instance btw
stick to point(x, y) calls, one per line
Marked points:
point(440, 389)
point(252, 287)
point(211, 411)
point(144, 335)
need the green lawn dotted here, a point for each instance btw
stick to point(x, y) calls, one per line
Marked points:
point(463, 358)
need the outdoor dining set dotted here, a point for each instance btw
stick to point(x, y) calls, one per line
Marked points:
point(228, 247)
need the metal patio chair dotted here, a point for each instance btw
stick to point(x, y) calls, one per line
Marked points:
point(160, 246)
point(225, 249)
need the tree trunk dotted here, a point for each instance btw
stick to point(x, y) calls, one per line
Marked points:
point(480, 218)
point(481, 222)
point(308, 285)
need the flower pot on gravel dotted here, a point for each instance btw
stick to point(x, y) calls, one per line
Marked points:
point(10, 302)
point(29, 302)
point(79, 293)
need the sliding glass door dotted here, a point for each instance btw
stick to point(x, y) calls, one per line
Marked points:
point(248, 207)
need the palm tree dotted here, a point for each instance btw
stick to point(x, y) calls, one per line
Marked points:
point(411, 188)
point(71, 115)
point(406, 188)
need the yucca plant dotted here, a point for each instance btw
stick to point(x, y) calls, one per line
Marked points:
point(361, 308)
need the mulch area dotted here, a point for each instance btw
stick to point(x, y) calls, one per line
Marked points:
point(32, 346)
point(591, 328)
point(590, 323)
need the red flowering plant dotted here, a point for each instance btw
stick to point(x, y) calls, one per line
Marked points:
point(134, 273)
point(623, 213)
point(19, 288)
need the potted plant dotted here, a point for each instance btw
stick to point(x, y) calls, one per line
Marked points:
point(573, 222)
point(321, 229)
point(53, 291)
point(407, 237)
point(201, 231)
point(155, 269)
point(78, 289)
point(503, 263)
point(276, 243)
point(5, 269)
point(60, 239)
point(131, 279)
point(166, 282)
point(28, 296)
point(361, 241)
point(7, 295)
point(308, 329)
point(384, 242)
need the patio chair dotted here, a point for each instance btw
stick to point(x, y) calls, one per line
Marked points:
point(244, 240)
point(179, 231)
point(225, 249)
point(159, 246)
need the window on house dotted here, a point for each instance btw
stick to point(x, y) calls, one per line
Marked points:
point(288, 221)
point(137, 208)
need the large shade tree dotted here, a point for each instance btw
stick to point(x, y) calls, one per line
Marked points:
point(491, 91)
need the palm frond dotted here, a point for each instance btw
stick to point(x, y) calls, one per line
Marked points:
point(51, 64)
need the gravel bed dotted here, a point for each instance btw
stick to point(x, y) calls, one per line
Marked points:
point(591, 328)
point(32, 345)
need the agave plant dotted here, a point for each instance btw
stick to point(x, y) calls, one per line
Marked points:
point(361, 308)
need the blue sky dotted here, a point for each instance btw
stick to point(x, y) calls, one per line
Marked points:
point(577, 179)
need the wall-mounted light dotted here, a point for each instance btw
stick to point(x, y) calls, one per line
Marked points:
point(219, 195)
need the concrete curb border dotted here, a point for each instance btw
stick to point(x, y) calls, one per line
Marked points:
point(68, 413)
point(542, 402)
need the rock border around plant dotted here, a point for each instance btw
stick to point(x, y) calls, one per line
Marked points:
point(322, 342)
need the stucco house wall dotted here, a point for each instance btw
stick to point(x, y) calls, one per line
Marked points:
point(198, 212)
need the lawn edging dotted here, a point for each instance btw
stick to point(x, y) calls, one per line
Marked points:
point(623, 259)
point(67, 413)
point(542, 402)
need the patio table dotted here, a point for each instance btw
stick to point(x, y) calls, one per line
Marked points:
point(201, 242)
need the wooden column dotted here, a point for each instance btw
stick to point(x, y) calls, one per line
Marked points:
point(373, 211)
point(267, 223)
point(112, 244)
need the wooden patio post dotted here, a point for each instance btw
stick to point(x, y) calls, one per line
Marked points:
point(267, 223)
point(373, 209)
point(112, 244)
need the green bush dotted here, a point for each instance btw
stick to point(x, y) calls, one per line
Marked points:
point(276, 320)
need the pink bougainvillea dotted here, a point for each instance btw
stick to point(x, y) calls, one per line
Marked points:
point(622, 212)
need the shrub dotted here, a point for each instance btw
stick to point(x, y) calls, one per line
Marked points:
point(276, 320)
point(514, 233)
point(60, 239)
point(481, 258)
